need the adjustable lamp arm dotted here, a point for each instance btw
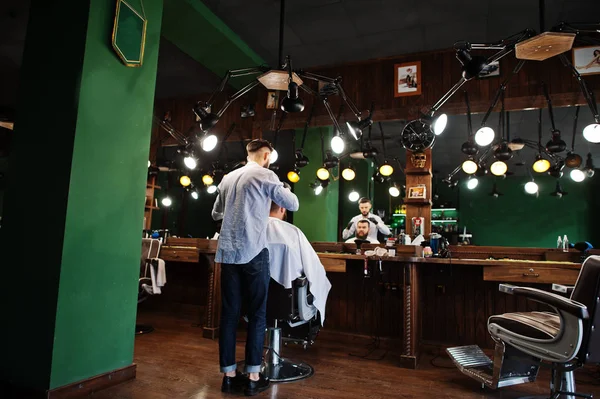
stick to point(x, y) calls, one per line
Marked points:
point(587, 93)
point(501, 89)
point(234, 73)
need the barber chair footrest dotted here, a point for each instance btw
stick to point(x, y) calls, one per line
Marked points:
point(471, 361)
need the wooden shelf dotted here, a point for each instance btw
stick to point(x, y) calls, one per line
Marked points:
point(418, 171)
point(151, 207)
point(418, 201)
point(152, 186)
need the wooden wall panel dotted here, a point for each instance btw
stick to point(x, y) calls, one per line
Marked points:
point(374, 81)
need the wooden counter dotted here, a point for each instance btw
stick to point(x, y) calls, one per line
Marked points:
point(415, 299)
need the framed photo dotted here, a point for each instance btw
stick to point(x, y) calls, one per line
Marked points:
point(407, 79)
point(587, 60)
point(416, 192)
point(272, 99)
point(493, 69)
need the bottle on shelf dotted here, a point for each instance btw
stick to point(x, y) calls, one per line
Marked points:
point(565, 244)
point(559, 244)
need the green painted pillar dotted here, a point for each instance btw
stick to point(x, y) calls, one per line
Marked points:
point(73, 211)
point(318, 214)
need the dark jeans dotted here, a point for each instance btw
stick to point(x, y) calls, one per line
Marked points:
point(249, 283)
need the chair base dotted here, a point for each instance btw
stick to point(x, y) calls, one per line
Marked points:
point(143, 329)
point(285, 371)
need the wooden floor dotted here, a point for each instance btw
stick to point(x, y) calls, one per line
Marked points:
point(176, 362)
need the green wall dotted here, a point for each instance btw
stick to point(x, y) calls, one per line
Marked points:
point(197, 31)
point(522, 220)
point(77, 291)
point(318, 214)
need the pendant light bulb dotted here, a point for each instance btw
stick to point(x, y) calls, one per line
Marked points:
point(207, 180)
point(322, 173)
point(211, 189)
point(541, 165)
point(469, 166)
point(209, 142)
point(484, 136)
point(194, 195)
point(353, 196)
point(472, 183)
point(439, 125)
point(498, 168)
point(274, 156)
point(318, 189)
point(190, 162)
point(348, 173)
point(386, 169)
point(185, 181)
point(531, 187)
point(294, 176)
point(166, 201)
point(577, 175)
point(592, 133)
point(394, 191)
point(337, 144)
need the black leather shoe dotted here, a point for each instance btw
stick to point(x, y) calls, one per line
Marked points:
point(256, 387)
point(234, 384)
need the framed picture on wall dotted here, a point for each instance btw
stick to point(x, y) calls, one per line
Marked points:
point(492, 70)
point(417, 192)
point(407, 79)
point(587, 60)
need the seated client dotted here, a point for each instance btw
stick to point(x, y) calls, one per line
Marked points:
point(362, 232)
point(291, 256)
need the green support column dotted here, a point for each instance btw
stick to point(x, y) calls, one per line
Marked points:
point(73, 210)
point(318, 214)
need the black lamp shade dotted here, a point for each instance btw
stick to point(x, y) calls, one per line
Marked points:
point(292, 103)
point(207, 120)
point(472, 65)
point(503, 152)
point(556, 144)
point(469, 148)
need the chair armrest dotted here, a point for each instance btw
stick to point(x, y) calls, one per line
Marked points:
point(563, 289)
point(561, 303)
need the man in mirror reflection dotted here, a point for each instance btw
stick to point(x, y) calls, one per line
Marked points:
point(375, 223)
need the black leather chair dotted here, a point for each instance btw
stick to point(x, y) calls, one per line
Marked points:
point(291, 318)
point(566, 338)
point(150, 251)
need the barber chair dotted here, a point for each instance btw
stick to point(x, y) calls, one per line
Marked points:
point(291, 318)
point(566, 338)
point(150, 251)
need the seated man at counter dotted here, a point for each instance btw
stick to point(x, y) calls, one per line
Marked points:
point(292, 256)
point(362, 232)
point(375, 222)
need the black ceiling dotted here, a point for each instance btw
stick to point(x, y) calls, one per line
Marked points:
point(324, 32)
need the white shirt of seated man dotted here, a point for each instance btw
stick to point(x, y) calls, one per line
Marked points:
point(291, 256)
point(362, 232)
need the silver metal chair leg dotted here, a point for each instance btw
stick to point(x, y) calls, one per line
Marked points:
point(278, 368)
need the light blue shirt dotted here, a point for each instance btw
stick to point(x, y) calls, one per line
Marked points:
point(243, 203)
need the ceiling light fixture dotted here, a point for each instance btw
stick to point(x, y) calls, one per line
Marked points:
point(284, 78)
point(349, 173)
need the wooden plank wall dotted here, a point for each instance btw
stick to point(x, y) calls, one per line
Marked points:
point(373, 80)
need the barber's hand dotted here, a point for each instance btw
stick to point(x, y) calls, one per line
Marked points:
point(349, 225)
point(372, 219)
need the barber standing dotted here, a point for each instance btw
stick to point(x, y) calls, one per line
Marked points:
point(375, 222)
point(243, 203)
